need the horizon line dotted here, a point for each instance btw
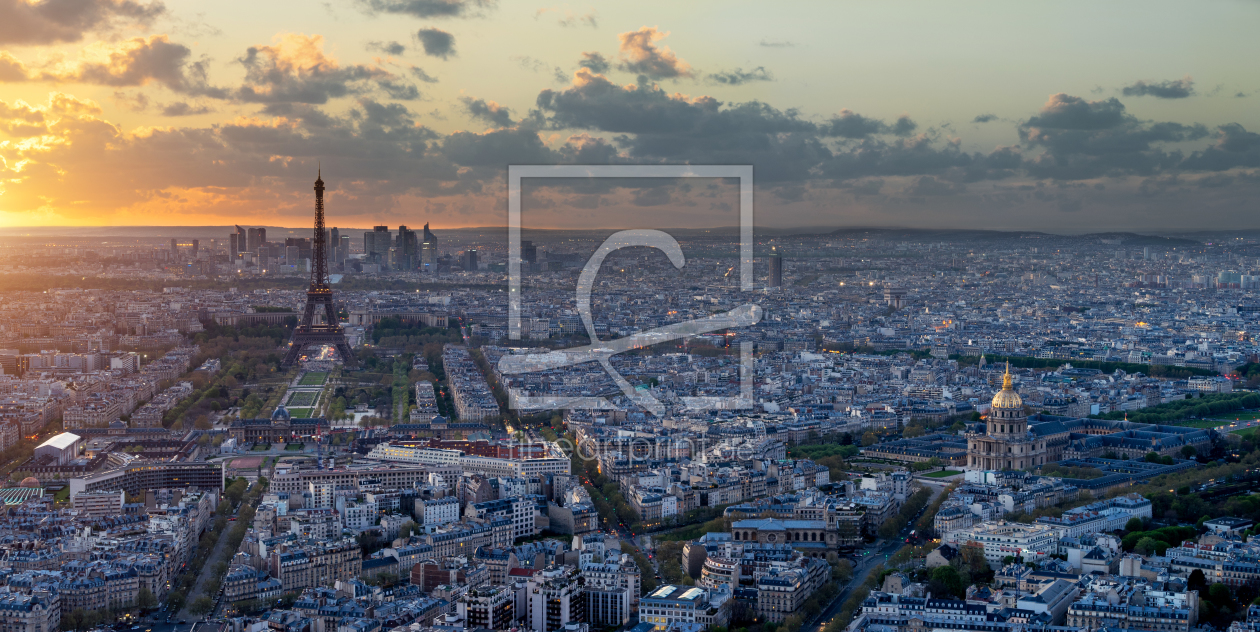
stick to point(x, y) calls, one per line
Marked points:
point(805, 227)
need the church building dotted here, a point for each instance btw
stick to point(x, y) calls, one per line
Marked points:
point(1007, 443)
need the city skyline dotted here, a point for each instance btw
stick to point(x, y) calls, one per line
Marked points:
point(154, 114)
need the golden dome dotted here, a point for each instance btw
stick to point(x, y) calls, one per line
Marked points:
point(1007, 398)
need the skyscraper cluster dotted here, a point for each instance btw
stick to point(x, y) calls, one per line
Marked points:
point(248, 248)
point(405, 251)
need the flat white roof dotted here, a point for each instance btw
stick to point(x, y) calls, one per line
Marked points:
point(61, 441)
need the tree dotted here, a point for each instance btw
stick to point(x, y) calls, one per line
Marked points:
point(842, 571)
point(972, 557)
point(1221, 596)
point(1197, 581)
point(407, 529)
point(1146, 546)
point(913, 430)
point(869, 438)
point(1188, 452)
point(1134, 524)
point(946, 580)
point(201, 606)
point(145, 598)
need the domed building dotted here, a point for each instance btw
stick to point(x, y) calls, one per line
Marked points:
point(1006, 443)
point(281, 426)
point(29, 481)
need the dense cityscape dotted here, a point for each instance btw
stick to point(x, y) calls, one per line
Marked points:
point(962, 430)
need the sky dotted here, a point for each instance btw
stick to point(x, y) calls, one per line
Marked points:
point(1068, 117)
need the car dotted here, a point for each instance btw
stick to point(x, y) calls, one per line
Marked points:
point(182, 622)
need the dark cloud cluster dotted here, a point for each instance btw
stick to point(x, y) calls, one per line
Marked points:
point(739, 76)
point(849, 124)
point(388, 48)
point(487, 111)
point(429, 8)
point(1176, 89)
point(436, 42)
point(595, 63)
point(295, 70)
point(140, 61)
point(183, 108)
point(56, 21)
point(1089, 139)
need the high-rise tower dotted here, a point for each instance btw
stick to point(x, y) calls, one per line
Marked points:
point(319, 299)
point(776, 268)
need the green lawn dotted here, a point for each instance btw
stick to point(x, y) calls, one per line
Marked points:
point(314, 378)
point(1242, 415)
point(294, 446)
point(300, 413)
point(1203, 423)
point(1245, 432)
point(261, 447)
point(942, 473)
point(303, 399)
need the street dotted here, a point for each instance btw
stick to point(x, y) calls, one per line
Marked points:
point(866, 564)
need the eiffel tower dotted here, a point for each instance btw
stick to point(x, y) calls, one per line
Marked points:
point(319, 298)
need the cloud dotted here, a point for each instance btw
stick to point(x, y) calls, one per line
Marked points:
point(497, 148)
point(651, 196)
point(931, 186)
point(430, 8)
point(567, 17)
point(1067, 112)
point(27, 22)
point(904, 126)
point(640, 55)
point(488, 111)
point(399, 90)
point(1234, 147)
point(141, 61)
point(776, 44)
point(436, 42)
point(1176, 89)
point(739, 76)
point(11, 69)
point(1089, 139)
point(136, 102)
point(295, 70)
point(388, 48)
point(595, 62)
point(182, 108)
point(21, 120)
point(420, 74)
point(984, 118)
point(849, 124)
